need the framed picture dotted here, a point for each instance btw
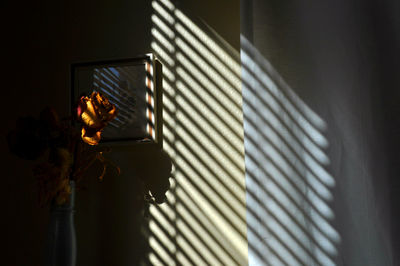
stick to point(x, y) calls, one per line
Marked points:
point(133, 86)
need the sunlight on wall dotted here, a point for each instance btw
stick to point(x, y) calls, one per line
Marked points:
point(288, 186)
point(204, 221)
point(283, 218)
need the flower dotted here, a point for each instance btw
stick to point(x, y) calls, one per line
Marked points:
point(26, 141)
point(60, 147)
point(94, 113)
point(63, 155)
point(53, 176)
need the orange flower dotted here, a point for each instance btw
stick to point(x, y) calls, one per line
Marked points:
point(94, 112)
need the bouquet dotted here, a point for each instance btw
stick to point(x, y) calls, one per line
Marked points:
point(63, 149)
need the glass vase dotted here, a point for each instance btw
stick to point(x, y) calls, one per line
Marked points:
point(60, 249)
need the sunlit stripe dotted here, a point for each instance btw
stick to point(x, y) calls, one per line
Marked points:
point(168, 89)
point(162, 220)
point(285, 222)
point(193, 254)
point(327, 244)
point(182, 253)
point(269, 84)
point(171, 199)
point(217, 109)
point(307, 111)
point(279, 175)
point(236, 202)
point(167, 73)
point(309, 161)
point(273, 191)
point(287, 215)
point(170, 105)
point(310, 147)
point(204, 221)
point(194, 239)
point(223, 210)
point(169, 149)
point(275, 195)
point(210, 58)
point(182, 259)
point(226, 182)
point(264, 99)
point(284, 153)
point(267, 68)
point(162, 237)
point(165, 14)
point(205, 237)
point(272, 115)
point(323, 259)
point(290, 164)
point(319, 171)
point(269, 245)
point(168, 4)
point(219, 227)
point(291, 192)
point(233, 105)
point(155, 245)
point(162, 54)
point(168, 134)
point(265, 253)
point(325, 227)
point(209, 149)
point(282, 236)
point(162, 40)
point(219, 52)
point(211, 73)
point(199, 217)
point(154, 260)
point(198, 113)
point(225, 218)
point(165, 29)
point(291, 197)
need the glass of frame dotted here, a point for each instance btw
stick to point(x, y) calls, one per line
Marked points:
point(133, 86)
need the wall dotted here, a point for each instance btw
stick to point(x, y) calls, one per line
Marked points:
point(204, 220)
point(43, 39)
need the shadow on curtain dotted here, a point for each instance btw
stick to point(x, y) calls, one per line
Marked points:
point(288, 186)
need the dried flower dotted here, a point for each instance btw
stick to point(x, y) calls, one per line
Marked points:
point(53, 176)
point(64, 154)
point(94, 112)
point(26, 141)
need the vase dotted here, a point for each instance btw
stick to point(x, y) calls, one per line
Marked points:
point(60, 249)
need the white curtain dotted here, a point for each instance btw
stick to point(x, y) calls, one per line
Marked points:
point(317, 77)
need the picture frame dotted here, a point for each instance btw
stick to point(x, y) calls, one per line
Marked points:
point(133, 85)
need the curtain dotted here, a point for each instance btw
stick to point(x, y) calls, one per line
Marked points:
point(320, 119)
